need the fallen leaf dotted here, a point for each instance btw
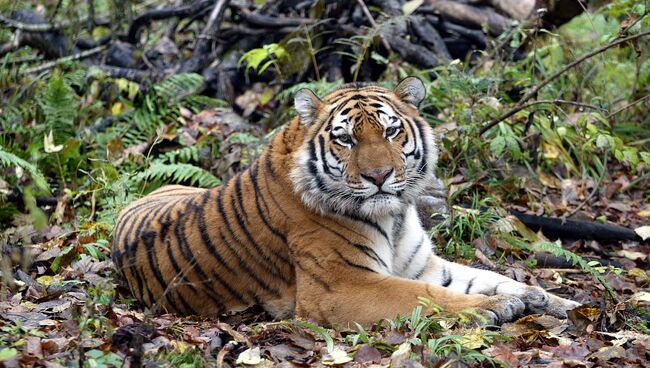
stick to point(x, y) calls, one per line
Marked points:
point(639, 297)
point(336, 356)
point(401, 355)
point(608, 352)
point(33, 346)
point(411, 6)
point(367, 353)
point(573, 351)
point(629, 254)
point(250, 356)
point(643, 232)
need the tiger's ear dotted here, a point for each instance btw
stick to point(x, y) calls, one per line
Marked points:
point(306, 104)
point(411, 90)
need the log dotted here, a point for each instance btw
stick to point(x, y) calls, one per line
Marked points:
point(555, 228)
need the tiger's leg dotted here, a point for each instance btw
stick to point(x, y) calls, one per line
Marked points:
point(351, 293)
point(470, 280)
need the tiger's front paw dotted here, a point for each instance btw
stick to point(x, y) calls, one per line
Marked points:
point(559, 307)
point(538, 300)
point(501, 308)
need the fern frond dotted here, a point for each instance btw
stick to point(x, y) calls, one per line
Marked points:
point(182, 155)
point(8, 158)
point(179, 85)
point(58, 104)
point(199, 103)
point(576, 260)
point(178, 173)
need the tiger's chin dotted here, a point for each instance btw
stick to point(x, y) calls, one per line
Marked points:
point(381, 205)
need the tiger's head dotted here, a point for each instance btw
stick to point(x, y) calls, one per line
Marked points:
point(366, 149)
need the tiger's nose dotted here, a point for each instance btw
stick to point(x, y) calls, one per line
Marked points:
point(378, 176)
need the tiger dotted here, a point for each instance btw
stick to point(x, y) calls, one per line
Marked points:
point(322, 226)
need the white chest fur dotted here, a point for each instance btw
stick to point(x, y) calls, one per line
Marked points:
point(399, 244)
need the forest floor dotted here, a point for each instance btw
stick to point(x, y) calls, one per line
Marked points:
point(78, 143)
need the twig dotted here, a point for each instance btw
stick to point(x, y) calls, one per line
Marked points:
point(40, 27)
point(627, 106)
point(516, 109)
point(507, 38)
point(533, 92)
point(366, 12)
point(54, 63)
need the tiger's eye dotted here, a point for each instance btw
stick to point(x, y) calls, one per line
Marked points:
point(345, 138)
point(390, 131)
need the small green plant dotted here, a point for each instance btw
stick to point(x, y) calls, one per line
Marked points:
point(273, 54)
point(187, 358)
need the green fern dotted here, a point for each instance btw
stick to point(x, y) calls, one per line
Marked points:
point(178, 173)
point(161, 106)
point(576, 260)
point(181, 155)
point(8, 158)
point(199, 103)
point(59, 105)
point(178, 86)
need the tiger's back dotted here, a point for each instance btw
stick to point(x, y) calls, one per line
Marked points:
point(193, 251)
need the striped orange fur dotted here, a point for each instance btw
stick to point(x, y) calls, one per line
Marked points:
point(323, 225)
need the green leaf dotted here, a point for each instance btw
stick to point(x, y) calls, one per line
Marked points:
point(498, 145)
point(8, 353)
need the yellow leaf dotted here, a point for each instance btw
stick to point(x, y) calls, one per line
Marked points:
point(117, 108)
point(266, 96)
point(474, 340)
point(551, 152)
point(48, 280)
point(179, 346)
point(644, 213)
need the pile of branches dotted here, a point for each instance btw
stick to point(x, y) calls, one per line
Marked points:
point(210, 36)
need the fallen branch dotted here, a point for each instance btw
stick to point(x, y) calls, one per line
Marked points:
point(165, 13)
point(204, 40)
point(572, 229)
point(533, 92)
point(54, 63)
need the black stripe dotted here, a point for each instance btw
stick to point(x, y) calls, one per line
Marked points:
point(149, 239)
point(352, 264)
point(131, 243)
point(232, 236)
point(181, 240)
point(259, 196)
point(314, 276)
point(205, 236)
point(271, 265)
point(469, 285)
point(446, 277)
point(421, 271)
point(374, 225)
point(414, 253)
point(370, 253)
